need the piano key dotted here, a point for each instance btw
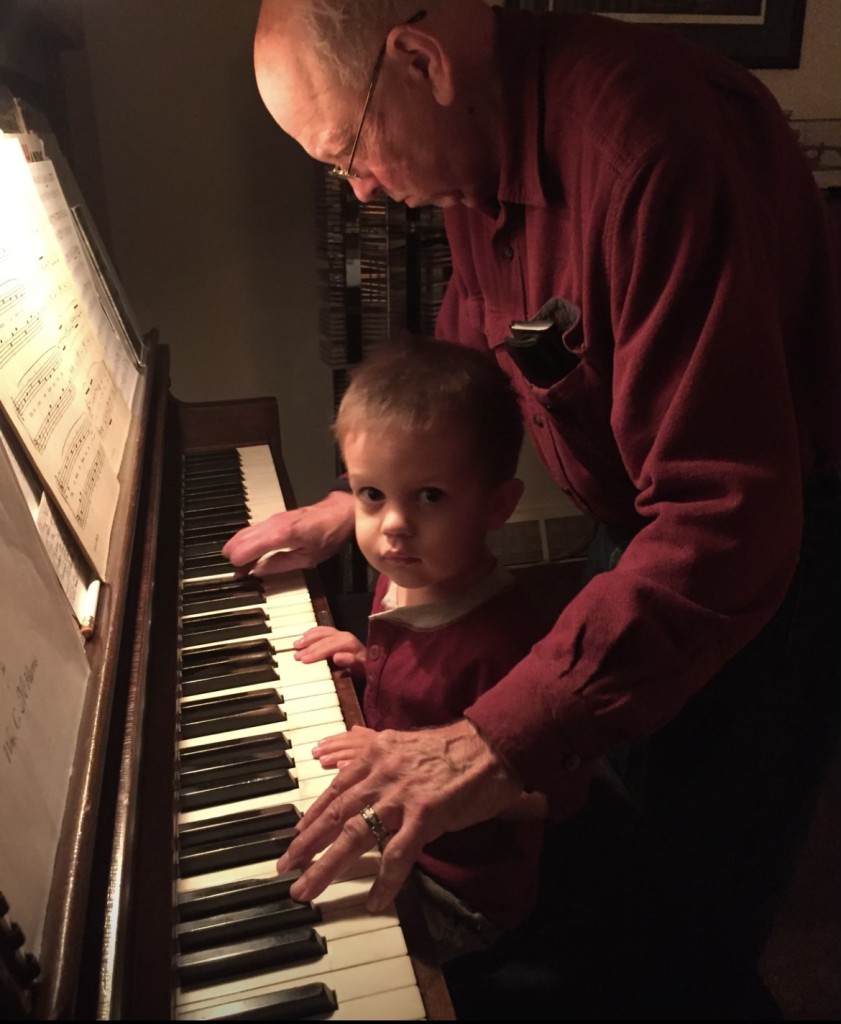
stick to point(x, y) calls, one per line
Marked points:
point(352, 937)
point(232, 681)
point(216, 756)
point(231, 723)
point(214, 707)
point(244, 652)
point(380, 946)
point(228, 767)
point(307, 789)
point(296, 699)
point(248, 850)
point(295, 1003)
point(225, 827)
point(219, 500)
point(289, 690)
point(208, 795)
point(343, 910)
point(265, 951)
point(244, 923)
point(362, 993)
point(193, 904)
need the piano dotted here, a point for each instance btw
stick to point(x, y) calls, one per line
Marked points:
point(193, 756)
point(193, 765)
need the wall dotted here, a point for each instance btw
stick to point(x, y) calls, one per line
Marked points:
point(211, 206)
point(210, 210)
point(813, 89)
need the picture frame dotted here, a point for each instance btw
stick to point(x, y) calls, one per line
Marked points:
point(756, 33)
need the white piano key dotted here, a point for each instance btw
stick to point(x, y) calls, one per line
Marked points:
point(376, 947)
point(324, 686)
point(366, 867)
point(368, 992)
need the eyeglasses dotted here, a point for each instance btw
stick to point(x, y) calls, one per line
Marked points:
point(348, 172)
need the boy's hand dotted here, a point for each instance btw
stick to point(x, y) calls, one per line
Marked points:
point(325, 642)
point(337, 751)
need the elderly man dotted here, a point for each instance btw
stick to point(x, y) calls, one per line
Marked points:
point(637, 240)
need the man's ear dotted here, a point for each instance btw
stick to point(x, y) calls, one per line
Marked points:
point(503, 500)
point(422, 56)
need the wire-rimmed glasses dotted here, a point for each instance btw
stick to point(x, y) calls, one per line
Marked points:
point(348, 172)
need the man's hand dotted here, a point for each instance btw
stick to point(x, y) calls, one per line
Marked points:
point(343, 648)
point(421, 784)
point(297, 539)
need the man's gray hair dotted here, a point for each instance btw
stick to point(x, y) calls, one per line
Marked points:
point(346, 34)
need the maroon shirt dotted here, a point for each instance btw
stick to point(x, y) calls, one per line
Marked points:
point(424, 666)
point(657, 188)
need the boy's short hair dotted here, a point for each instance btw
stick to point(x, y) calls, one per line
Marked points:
point(413, 385)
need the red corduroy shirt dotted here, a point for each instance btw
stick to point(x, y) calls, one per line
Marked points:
point(658, 190)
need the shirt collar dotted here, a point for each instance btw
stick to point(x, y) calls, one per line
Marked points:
point(433, 616)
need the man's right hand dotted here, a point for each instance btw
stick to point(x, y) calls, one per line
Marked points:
point(297, 539)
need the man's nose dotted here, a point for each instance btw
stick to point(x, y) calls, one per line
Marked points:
point(365, 187)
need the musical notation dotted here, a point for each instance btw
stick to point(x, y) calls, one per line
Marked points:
point(56, 354)
point(80, 470)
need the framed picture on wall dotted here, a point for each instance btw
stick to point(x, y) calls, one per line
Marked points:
point(757, 33)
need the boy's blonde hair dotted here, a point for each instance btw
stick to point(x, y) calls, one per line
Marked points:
point(417, 385)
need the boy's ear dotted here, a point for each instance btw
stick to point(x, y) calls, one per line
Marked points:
point(504, 498)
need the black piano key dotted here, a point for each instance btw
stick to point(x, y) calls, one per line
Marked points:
point(198, 549)
point(260, 953)
point(261, 919)
point(249, 850)
point(225, 468)
point(207, 567)
point(230, 465)
point(229, 723)
point(195, 776)
point(211, 456)
point(248, 652)
point(241, 824)
point(241, 677)
point(234, 752)
point(224, 626)
point(231, 896)
point(215, 707)
point(230, 483)
point(219, 499)
point(225, 486)
point(193, 797)
point(200, 591)
point(210, 602)
point(233, 518)
point(312, 999)
point(206, 534)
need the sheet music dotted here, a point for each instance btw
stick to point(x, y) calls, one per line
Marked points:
point(43, 677)
point(74, 574)
point(57, 348)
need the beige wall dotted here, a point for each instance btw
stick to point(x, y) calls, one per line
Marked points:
point(813, 89)
point(211, 206)
point(210, 210)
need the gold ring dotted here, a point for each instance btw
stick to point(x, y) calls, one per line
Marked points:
point(374, 823)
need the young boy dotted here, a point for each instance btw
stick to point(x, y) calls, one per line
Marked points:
point(430, 434)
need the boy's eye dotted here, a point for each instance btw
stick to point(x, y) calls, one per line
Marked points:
point(370, 495)
point(430, 495)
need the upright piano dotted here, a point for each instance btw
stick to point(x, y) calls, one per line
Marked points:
point(193, 765)
point(193, 756)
